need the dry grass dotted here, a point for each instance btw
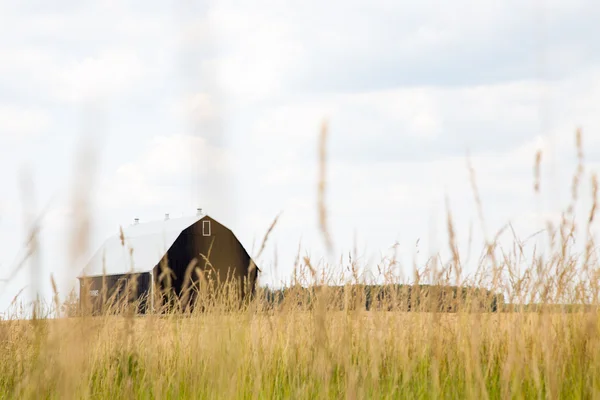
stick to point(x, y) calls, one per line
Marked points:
point(321, 342)
point(290, 354)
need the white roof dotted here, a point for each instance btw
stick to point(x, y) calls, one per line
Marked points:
point(150, 242)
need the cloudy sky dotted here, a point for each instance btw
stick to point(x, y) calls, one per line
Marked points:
point(218, 104)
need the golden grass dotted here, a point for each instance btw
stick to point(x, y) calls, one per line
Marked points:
point(293, 354)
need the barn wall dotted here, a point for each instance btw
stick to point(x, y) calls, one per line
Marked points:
point(99, 290)
point(226, 256)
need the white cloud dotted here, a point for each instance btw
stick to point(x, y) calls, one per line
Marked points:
point(18, 123)
point(199, 108)
point(166, 169)
point(386, 44)
point(100, 77)
point(257, 53)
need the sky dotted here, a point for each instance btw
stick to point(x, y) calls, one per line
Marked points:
point(135, 109)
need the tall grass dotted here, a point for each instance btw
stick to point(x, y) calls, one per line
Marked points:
point(316, 338)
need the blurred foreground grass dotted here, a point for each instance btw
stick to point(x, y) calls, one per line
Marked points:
point(295, 354)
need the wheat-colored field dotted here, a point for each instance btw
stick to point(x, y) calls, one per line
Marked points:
point(296, 354)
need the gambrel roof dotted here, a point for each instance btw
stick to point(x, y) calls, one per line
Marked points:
point(150, 242)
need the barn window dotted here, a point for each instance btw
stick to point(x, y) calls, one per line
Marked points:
point(205, 228)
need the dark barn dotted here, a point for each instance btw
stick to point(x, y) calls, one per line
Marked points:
point(138, 258)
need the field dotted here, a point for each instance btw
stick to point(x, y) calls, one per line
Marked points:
point(308, 346)
point(305, 355)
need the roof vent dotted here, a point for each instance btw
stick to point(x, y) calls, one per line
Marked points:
point(166, 217)
point(136, 221)
point(199, 212)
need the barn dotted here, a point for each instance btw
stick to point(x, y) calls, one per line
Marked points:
point(139, 255)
